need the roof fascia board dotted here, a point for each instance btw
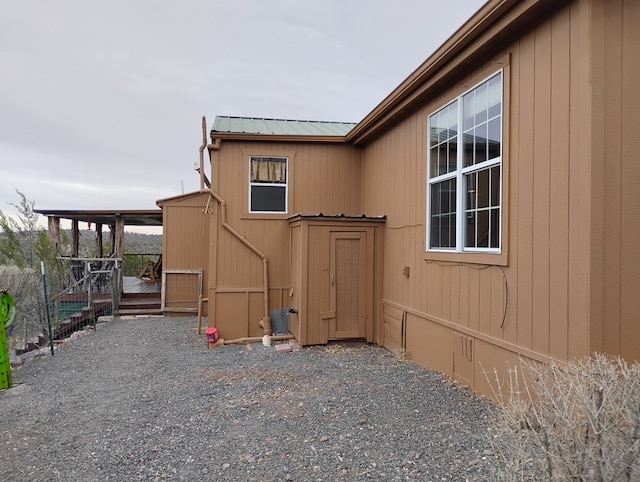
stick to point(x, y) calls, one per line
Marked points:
point(131, 217)
point(97, 212)
point(187, 195)
point(241, 136)
point(492, 19)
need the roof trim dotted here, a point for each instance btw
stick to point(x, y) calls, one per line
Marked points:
point(177, 197)
point(132, 217)
point(492, 20)
point(277, 137)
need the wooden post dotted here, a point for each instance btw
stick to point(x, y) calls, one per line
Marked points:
point(119, 245)
point(112, 239)
point(75, 238)
point(53, 232)
point(99, 248)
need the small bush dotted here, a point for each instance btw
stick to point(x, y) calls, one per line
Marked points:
point(579, 421)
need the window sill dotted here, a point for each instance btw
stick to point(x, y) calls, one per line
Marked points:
point(264, 216)
point(497, 259)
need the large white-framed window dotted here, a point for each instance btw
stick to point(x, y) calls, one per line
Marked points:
point(464, 171)
point(268, 184)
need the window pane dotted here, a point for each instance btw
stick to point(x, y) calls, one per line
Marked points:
point(469, 111)
point(433, 161)
point(452, 153)
point(480, 144)
point(495, 186)
point(470, 230)
point(268, 199)
point(443, 208)
point(434, 241)
point(471, 189)
point(434, 129)
point(494, 138)
point(494, 233)
point(468, 149)
point(448, 231)
point(443, 161)
point(495, 96)
point(483, 189)
point(482, 103)
point(482, 228)
point(452, 119)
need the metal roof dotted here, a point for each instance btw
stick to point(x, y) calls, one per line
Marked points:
point(147, 217)
point(254, 125)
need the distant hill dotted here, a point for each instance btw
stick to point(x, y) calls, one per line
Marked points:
point(134, 243)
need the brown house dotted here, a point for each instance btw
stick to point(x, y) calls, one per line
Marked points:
point(487, 209)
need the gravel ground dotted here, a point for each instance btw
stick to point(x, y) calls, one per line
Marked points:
point(145, 399)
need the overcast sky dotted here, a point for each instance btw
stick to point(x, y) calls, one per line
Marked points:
point(101, 101)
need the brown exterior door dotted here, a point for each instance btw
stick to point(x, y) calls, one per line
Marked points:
point(348, 285)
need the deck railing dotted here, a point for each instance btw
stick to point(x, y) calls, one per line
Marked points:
point(91, 289)
point(134, 263)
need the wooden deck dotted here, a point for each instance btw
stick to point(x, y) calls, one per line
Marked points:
point(131, 284)
point(140, 297)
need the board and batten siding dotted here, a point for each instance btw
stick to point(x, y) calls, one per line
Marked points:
point(322, 178)
point(616, 200)
point(563, 277)
point(185, 246)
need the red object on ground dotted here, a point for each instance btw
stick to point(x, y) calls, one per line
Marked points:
point(212, 335)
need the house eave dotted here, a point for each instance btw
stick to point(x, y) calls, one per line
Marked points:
point(495, 22)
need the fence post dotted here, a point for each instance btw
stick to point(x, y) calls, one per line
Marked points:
point(46, 305)
point(90, 295)
point(115, 289)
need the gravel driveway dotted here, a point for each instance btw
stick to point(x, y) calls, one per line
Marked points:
point(145, 399)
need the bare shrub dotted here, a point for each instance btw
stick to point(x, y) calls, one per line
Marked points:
point(25, 287)
point(579, 421)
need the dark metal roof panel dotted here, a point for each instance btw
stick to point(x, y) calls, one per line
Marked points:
point(338, 216)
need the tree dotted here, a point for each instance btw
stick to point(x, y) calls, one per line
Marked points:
point(23, 246)
point(16, 246)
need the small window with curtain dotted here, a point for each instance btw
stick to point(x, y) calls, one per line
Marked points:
point(268, 184)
